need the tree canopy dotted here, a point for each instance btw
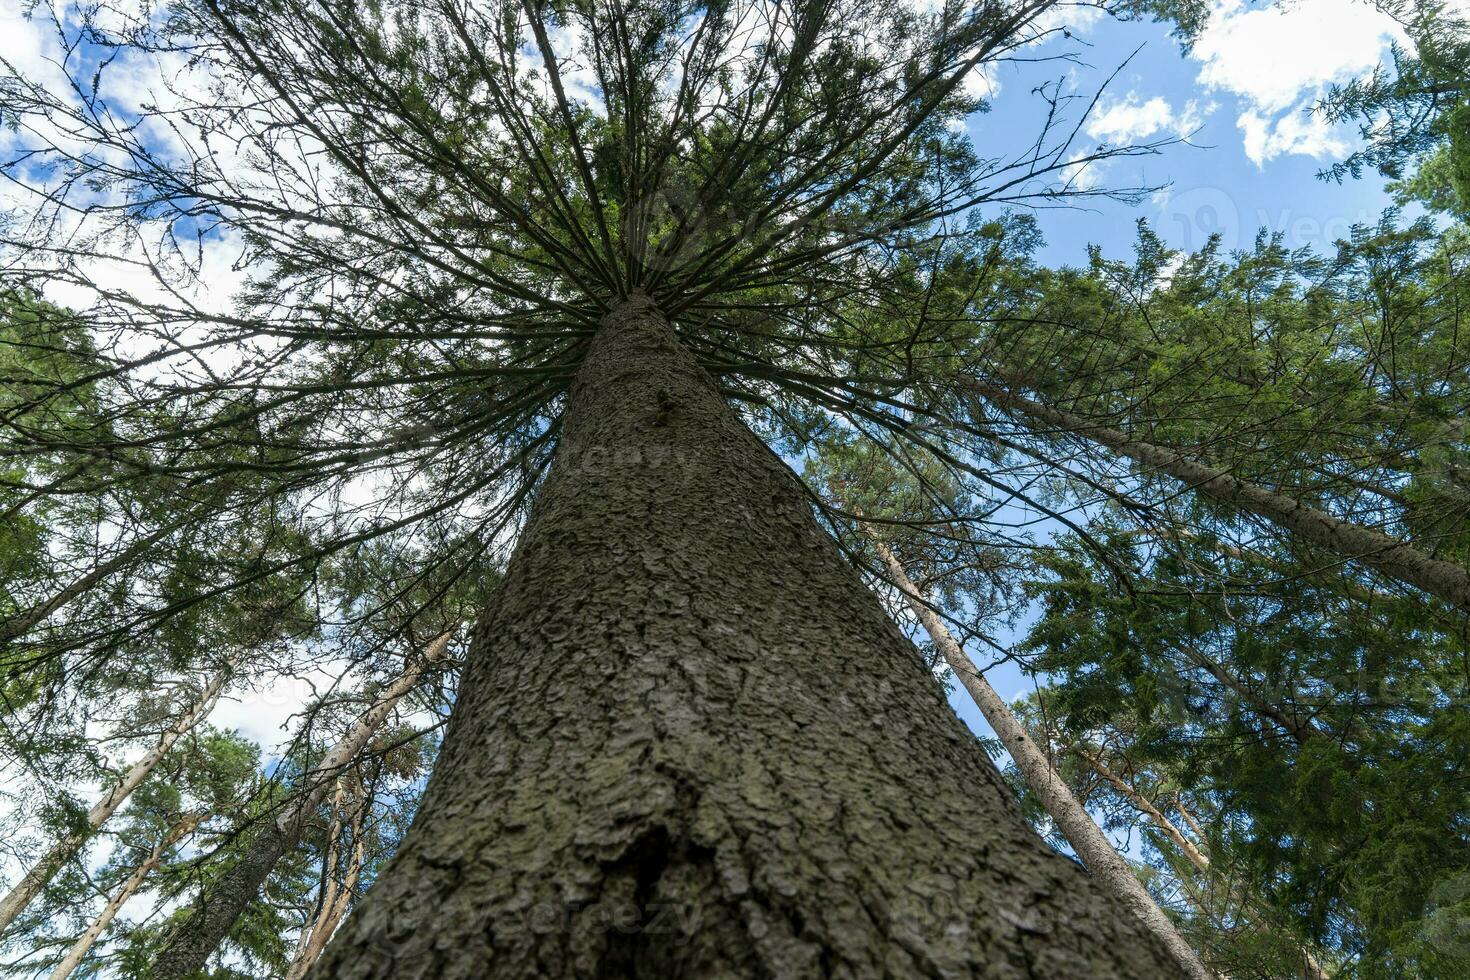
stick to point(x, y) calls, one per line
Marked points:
point(1218, 502)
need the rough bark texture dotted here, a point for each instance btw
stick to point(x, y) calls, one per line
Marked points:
point(193, 940)
point(1086, 838)
point(39, 874)
point(689, 744)
point(1373, 548)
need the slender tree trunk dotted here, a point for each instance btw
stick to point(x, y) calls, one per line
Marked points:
point(1143, 805)
point(83, 945)
point(1194, 826)
point(22, 623)
point(688, 743)
point(45, 868)
point(191, 942)
point(1298, 730)
point(1086, 838)
point(1373, 548)
point(1311, 969)
point(328, 891)
point(335, 895)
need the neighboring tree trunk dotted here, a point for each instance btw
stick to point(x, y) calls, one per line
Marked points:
point(1086, 838)
point(335, 896)
point(1311, 969)
point(43, 870)
point(83, 945)
point(1300, 731)
point(1143, 805)
point(24, 622)
point(191, 942)
point(1373, 548)
point(689, 743)
point(1194, 826)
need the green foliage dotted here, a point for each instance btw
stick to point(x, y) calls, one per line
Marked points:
point(1321, 726)
point(329, 468)
point(1457, 153)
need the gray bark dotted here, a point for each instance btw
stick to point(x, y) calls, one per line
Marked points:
point(192, 941)
point(1370, 546)
point(689, 743)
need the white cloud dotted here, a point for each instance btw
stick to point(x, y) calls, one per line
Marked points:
point(29, 43)
point(1274, 54)
point(1132, 119)
point(1279, 59)
point(1298, 131)
point(1082, 174)
point(270, 712)
point(983, 81)
point(1074, 18)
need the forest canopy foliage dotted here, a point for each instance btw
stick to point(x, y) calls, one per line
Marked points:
point(286, 338)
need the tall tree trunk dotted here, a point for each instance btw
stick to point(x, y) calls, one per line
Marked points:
point(688, 743)
point(335, 896)
point(1144, 806)
point(191, 942)
point(83, 945)
point(1311, 969)
point(1194, 826)
point(45, 868)
point(1086, 838)
point(1372, 547)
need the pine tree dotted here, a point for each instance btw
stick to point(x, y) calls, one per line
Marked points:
point(553, 281)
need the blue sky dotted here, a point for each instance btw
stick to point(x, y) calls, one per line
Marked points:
point(1253, 160)
point(1247, 87)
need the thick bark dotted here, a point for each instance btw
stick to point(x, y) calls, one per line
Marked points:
point(1372, 547)
point(83, 945)
point(192, 941)
point(1086, 838)
point(689, 744)
point(48, 864)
